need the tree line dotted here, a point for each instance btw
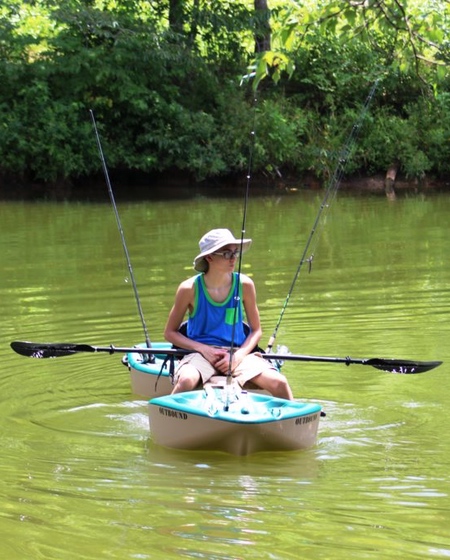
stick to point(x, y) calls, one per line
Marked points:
point(177, 87)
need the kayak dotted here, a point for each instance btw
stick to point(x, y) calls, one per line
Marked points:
point(241, 423)
point(220, 416)
point(153, 378)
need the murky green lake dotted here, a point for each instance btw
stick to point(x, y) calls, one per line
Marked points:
point(81, 479)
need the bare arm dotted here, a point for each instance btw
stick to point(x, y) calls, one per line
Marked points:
point(183, 303)
point(252, 314)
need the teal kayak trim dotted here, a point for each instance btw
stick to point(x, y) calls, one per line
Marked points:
point(243, 408)
point(140, 361)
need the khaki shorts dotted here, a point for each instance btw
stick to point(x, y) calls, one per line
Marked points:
point(250, 367)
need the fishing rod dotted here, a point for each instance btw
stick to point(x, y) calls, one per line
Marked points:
point(119, 225)
point(244, 214)
point(237, 298)
point(330, 194)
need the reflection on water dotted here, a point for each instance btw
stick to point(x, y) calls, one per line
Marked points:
point(80, 475)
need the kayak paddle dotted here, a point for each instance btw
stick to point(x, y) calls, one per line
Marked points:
point(59, 349)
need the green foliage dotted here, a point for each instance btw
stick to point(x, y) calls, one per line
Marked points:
point(157, 110)
point(168, 98)
point(40, 137)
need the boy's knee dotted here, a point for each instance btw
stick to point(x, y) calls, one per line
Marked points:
point(187, 378)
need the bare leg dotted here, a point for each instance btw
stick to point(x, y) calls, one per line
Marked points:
point(275, 383)
point(188, 379)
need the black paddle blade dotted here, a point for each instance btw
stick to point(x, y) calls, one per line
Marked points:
point(401, 366)
point(47, 350)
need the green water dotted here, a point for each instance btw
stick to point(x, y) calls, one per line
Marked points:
point(80, 477)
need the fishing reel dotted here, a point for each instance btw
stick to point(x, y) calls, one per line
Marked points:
point(281, 349)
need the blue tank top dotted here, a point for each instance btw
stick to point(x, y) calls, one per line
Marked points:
point(211, 322)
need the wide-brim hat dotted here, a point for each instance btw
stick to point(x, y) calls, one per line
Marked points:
point(213, 241)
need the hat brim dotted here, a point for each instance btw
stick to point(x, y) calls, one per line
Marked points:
point(200, 263)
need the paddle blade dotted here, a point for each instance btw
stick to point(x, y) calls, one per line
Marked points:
point(47, 350)
point(401, 366)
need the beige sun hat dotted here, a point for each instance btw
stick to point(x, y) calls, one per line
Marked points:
point(213, 241)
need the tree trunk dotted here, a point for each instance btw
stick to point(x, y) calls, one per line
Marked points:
point(176, 15)
point(389, 181)
point(263, 30)
point(194, 22)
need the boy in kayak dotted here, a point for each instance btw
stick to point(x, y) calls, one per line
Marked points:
point(214, 301)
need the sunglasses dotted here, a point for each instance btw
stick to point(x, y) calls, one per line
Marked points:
point(228, 254)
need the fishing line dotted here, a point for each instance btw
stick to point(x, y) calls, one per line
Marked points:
point(244, 214)
point(330, 194)
point(119, 225)
point(237, 296)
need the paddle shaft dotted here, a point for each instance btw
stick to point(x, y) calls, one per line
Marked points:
point(266, 356)
point(182, 352)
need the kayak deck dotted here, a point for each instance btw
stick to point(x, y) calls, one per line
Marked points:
point(240, 424)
